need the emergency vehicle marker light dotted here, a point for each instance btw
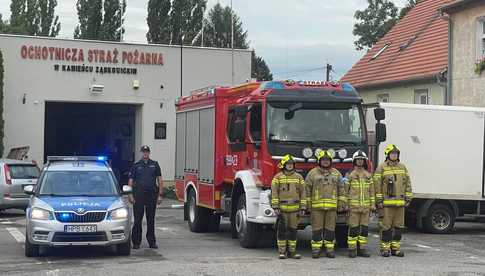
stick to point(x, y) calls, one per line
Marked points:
point(101, 158)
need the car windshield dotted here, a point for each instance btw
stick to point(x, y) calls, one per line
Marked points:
point(78, 183)
point(23, 171)
point(314, 123)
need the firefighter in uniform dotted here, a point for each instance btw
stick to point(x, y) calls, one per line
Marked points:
point(393, 194)
point(361, 202)
point(288, 201)
point(323, 190)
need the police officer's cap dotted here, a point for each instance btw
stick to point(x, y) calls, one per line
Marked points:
point(145, 148)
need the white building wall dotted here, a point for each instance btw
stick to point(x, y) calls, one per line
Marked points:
point(40, 83)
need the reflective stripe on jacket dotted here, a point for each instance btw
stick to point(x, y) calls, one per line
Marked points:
point(392, 184)
point(360, 190)
point(288, 192)
point(324, 189)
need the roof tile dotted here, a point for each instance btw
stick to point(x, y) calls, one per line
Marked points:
point(418, 49)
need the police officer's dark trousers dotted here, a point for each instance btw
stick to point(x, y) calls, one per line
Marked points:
point(145, 202)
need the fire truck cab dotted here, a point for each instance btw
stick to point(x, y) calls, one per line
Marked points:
point(230, 139)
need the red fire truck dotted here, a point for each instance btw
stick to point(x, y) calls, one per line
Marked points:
point(230, 139)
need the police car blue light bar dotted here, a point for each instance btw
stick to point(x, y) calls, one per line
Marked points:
point(76, 158)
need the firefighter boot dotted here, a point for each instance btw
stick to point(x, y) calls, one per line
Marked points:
point(362, 252)
point(317, 246)
point(397, 253)
point(330, 254)
point(352, 253)
point(292, 249)
point(282, 249)
point(316, 253)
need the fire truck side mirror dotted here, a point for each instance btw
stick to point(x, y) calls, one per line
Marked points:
point(381, 133)
point(379, 114)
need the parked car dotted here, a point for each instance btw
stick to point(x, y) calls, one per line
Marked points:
point(14, 176)
point(77, 202)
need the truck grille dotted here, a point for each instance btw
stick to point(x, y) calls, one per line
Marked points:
point(73, 217)
point(79, 237)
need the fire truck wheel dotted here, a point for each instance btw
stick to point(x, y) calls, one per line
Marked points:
point(248, 233)
point(198, 216)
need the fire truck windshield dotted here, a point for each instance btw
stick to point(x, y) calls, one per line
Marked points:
point(314, 123)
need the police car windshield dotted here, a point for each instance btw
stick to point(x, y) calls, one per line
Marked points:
point(78, 183)
point(314, 123)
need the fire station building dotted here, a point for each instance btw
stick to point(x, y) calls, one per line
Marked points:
point(75, 97)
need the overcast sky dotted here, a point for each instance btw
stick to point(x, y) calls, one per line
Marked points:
point(295, 37)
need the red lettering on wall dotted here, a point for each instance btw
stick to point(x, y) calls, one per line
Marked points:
point(45, 53)
point(68, 54)
point(51, 53)
point(81, 55)
point(160, 59)
point(23, 52)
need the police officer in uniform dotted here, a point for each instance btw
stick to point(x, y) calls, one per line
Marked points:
point(146, 179)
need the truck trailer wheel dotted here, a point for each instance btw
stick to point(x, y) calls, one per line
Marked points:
point(198, 216)
point(248, 233)
point(439, 220)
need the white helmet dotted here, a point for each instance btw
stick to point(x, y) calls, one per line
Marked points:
point(359, 155)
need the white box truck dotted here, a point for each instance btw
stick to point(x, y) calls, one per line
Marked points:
point(443, 148)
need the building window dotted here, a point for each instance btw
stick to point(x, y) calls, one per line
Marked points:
point(481, 38)
point(383, 98)
point(160, 131)
point(421, 96)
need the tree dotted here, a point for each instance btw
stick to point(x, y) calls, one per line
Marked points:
point(260, 69)
point(90, 19)
point(100, 19)
point(48, 24)
point(3, 25)
point(186, 21)
point(34, 17)
point(112, 26)
point(158, 21)
point(374, 22)
point(409, 5)
point(217, 29)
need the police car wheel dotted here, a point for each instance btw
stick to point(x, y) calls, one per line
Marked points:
point(124, 249)
point(248, 233)
point(198, 216)
point(31, 250)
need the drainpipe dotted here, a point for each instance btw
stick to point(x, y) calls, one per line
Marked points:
point(448, 90)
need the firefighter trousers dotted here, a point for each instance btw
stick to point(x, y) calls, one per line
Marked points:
point(391, 225)
point(358, 228)
point(287, 226)
point(323, 229)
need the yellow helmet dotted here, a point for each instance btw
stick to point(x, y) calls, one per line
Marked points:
point(287, 158)
point(322, 154)
point(391, 148)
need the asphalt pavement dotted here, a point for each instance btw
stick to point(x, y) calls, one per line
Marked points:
point(182, 252)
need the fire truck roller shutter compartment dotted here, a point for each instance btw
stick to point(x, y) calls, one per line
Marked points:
point(92, 129)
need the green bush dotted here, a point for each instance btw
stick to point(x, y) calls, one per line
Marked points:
point(169, 192)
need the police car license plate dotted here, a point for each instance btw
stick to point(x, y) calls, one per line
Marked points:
point(80, 228)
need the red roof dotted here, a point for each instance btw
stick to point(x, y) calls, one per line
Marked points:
point(418, 49)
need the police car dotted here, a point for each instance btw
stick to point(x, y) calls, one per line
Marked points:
point(77, 202)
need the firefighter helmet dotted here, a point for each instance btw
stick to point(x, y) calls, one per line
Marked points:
point(286, 159)
point(391, 148)
point(324, 154)
point(359, 155)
